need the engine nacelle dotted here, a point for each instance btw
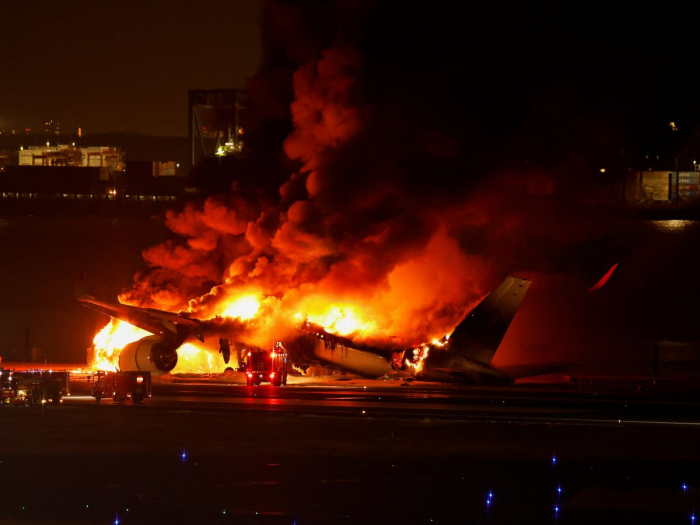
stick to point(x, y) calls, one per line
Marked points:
point(150, 354)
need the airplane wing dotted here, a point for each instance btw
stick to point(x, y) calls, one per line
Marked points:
point(158, 322)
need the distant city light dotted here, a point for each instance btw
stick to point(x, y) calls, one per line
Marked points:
point(673, 126)
point(602, 170)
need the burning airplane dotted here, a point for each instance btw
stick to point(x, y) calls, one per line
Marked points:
point(158, 334)
point(462, 356)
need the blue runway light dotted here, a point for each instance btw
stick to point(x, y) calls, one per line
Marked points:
point(559, 489)
point(684, 486)
point(554, 459)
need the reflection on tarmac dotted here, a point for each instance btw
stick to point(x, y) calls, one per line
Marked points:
point(544, 404)
point(228, 454)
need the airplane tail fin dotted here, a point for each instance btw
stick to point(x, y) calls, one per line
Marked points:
point(481, 331)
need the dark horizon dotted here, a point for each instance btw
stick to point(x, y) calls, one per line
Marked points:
point(121, 66)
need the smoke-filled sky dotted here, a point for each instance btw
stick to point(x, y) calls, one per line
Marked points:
point(560, 74)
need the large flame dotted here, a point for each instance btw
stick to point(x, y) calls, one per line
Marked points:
point(340, 320)
point(109, 342)
point(196, 359)
point(243, 307)
point(192, 358)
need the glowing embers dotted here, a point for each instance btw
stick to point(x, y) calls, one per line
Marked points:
point(415, 358)
point(243, 307)
point(111, 340)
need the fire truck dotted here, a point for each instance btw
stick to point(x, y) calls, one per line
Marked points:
point(28, 387)
point(121, 386)
point(263, 366)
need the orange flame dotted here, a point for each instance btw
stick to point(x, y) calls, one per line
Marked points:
point(339, 320)
point(196, 359)
point(109, 342)
point(243, 307)
point(415, 364)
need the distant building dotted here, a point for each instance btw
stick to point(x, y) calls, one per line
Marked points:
point(216, 123)
point(662, 186)
point(107, 157)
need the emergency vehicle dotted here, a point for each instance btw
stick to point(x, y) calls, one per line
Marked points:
point(121, 386)
point(27, 387)
point(264, 366)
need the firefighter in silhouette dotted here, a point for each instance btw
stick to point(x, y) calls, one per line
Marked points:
point(225, 349)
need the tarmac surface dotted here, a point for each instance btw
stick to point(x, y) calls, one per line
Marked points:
point(208, 450)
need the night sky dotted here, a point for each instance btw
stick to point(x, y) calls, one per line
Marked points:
point(120, 65)
point(566, 76)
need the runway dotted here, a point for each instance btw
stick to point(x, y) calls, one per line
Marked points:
point(536, 403)
point(205, 452)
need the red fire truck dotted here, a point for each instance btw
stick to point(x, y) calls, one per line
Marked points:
point(27, 387)
point(263, 366)
point(121, 386)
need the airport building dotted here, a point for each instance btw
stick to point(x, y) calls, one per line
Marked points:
point(110, 158)
point(64, 174)
point(662, 187)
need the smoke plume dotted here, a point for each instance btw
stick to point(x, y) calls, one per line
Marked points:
point(408, 196)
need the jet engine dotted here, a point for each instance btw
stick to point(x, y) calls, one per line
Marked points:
point(150, 354)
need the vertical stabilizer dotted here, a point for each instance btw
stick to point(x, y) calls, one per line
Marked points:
point(479, 334)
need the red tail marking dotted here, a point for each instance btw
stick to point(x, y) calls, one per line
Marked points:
point(604, 280)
